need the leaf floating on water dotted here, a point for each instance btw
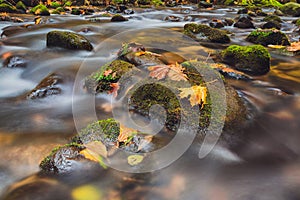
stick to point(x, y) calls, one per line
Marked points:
point(86, 192)
point(135, 159)
point(174, 72)
point(197, 95)
point(94, 150)
point(114, 89)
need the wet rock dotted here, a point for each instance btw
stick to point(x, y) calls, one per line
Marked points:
point(40, 10)
point(103, 79)
point(244, 21)
point(272, 18)
point(242, 11)
point(271, 24)
point(76, 11)
point(268, 36)
point(128, 12)
point(278, 12)
point(253, 60)
point(68, 40)
point(216, 23)
point(96, 2)
point(47, 87)
point(6, 17)
point(203, 32)
point(229, 21)
point(31, 3)
point(172, 18)
point(12, 30)
point(204, 4)
point(143, 59)
point(112, 9)
point(260, 13)
point(62, 159)
point(6, 8)
point(291, 8)
point(122, 8)
point(20, 5)
point(118, 18)
point(15, 62)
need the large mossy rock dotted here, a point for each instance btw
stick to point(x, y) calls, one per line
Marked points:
point(254, 60)
point(203, 32)
point(68, 40)
point(40, 10)
point(268, 36)
point(102, 80)
point(7, 8)
point(291, 8)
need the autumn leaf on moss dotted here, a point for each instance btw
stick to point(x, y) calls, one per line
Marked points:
point(94, 151)
point(174, 72)
point(197, 95)
point(107, 72)
point(114, 89)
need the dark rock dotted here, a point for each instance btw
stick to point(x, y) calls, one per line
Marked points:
point(172, 19)
point(273, 18)
point(243, 11)
point(40, 10)
point(15, 62)
point(216, 24)
point(260, 13)
point(271, 24)
point(253, 60)
point(291, 8)
point(244, 21)
point(118, 18)
point(229, 21)
point(96, 2)
point(47, 87)
point(68, 40)
point(76, 11)
point(128, 12)
point(122, 8)
point(31, 3)
point(203, 32)
point(112, 9)
point(171, 3)
point(62, 159)
point(268, 36)
point(204, 4)
point(6, 8)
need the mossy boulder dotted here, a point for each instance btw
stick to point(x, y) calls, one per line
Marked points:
point(40, 10)
point(268, 36)
point(272, 18)
point(68, 40)
point(62, 159)
point(58, 10)
point(101, 81)
point(203, 32)
point(4, 7)
point(291, 8)
point(254, 59)
point(20, 5)
point(118, 18)
point(271, 25)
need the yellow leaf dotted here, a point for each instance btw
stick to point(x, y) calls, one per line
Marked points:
point(135, 159)
point(276, 46)
point(197, 95)
point(86, 192)
point(94, 150)
point(125, 133)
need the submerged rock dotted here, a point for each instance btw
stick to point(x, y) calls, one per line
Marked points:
point(15, 61)
point(47, 87)
point(254, 60)
point(202, 32)
point(118, 18)
point(68, 40)
point(244, 21)
point(291, 8)
point(268, 36)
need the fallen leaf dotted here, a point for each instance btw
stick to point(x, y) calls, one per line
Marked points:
point(173, 71)
point(276, 46)
point(159, 71)
point(107, 72)
point(125, 133)
point(197, 95)
point(176, 73)
point(114, 89)
point(94, 150)
point(295, 46)
point(135, 159)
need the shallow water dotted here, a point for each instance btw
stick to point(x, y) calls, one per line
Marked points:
point(263, 166)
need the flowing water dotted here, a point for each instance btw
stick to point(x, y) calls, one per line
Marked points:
point(264, 165)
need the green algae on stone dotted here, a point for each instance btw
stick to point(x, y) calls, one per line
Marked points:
point(40, 10)
point(68, 40)
point(98, 82)
point(291, 8)
point(272, 18)
point(20, 5)
point(254, 59)
point(201, 31)
point(268, 36)
point(4, 7)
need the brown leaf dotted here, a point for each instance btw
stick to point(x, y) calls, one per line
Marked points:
point(94, 150)
point(197, 95)
point(107, 72)
point(114, 91)
point(159, 71)
point(125, 133)
point(176, 73)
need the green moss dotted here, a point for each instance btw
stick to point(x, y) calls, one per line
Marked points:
point(273, 18)
point(213, 34)
point(254, 59)
point(291, 8)
point(68, 3)
point(40, 10)
point(229, 2)
point(58, 10)
point(75, 11)
point(156, 2)
point(21, 5)
point(97, 82)
point(7, 8)
point(264, 3)
point(297, 22)
point(106, 131)
point(268, 36)
point(55, 4)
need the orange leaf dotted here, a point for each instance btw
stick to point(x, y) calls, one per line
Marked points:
point(94, 150)
point(159, 71)
point(295, 46)
point(107, 72)
point(114, 91)
point(176, 73)
point(125, 133)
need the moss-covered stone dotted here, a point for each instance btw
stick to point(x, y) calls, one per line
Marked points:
point(118, 18)
point(20, 5)
point(201, 31)
point(254, 59)
point(40, 10)
point(68, 40)
point(297, 22)
point(98, 82)
point(271, 25)
point(268, 36)
point(291, 8)
point(61, 158)
point(4, 7)
point(259, 3)
point(58, 10)
point(272, 18)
